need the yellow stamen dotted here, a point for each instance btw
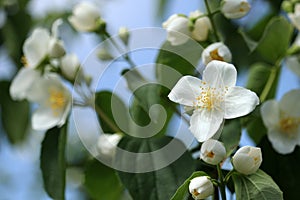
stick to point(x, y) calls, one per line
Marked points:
point(289, 125)
point(210, 154)
point(215, 55)
point(195, 192)
point(24, 61)
point(57, 100)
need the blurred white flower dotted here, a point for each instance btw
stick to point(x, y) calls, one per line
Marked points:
point(70, 66)
point(282, 120)
point(177, 27)
point(214, 98)
point(54, 101)
point(201, 187)
point(247, 160)
point(234, 9)
point(124, 34)
point(295, 17)
point(85, 17)
point(107, 144)
point(212, 152)
point(201, 27)
point(216, 51)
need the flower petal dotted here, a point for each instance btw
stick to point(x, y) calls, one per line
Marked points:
point(270, 113)
point(290, 103)
point(218, 73)
point(44, 118)
point(281, 142)
point(23, 82)
point(186, 90)
point(239, 102)
point(205, 123)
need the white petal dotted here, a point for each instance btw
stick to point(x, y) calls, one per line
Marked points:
point(290, 103)
point(239, 102)
point(201, 29)
point(23, 82)
point(36, 46)
point(44, 118)
point(70, 66)
point(293, 63)
point(204, 124)
point(270, 113)
point(186, 90)
point(218, 73)
point(281, 142)
point(55, 27)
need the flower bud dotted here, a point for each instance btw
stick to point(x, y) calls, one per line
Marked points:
point(287, 6)
point(107, 144)
point(69, 66)
point(216, 51)
point(104, 55)
point(247, 160)
point(177, 27)
point(234, 9)
point(201, 187)
point(212, 152)
point(201, 27)
point(124, 35)
point(85, 17)
point(56, 48)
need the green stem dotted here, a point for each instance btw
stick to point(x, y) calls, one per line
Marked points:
point(106, 119)
point(222, 183)
point(228, 175)
point(210, 16)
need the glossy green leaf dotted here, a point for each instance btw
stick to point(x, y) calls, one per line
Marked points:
point(284, 169)
point(15, 115)
point(102, 182)
point(258, 186)
point(182, 193)
point(53, 162)
point(231, 135)
point(159, 184)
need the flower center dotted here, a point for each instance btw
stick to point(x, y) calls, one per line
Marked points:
point(195, 192)
point(24, 61)
point(57, 100)
point(289, 125)
point(210, 154)
point(210, 97)
point(215, 55)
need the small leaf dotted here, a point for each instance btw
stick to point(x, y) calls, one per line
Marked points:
point(182, 193)
point(258, 186)
point(231, 135)
point(102, 182)
point(15, 115)
point(158, 184)
point(53, 163)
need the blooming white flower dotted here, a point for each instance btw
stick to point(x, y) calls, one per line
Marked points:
point(212, 152)
point(54, 100)
point(282, 120)
point(177, 27)
point(295, 17)
point(247, 160)
point(201, 187)
point(214, 98)
point(107, 144)
point(216, 51)
point(234, 9)
point(202, 26)
point(70, 66)
point(22, 83)
point(85, 17)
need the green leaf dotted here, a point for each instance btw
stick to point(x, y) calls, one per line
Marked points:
point(182, 193)
point(274, 42)
point(53, 163)
point(256, 186)
point(15, 115)
point(158, 184)
point(284, 169)
point(231, 135)
point(102, 182)
point(111, 112)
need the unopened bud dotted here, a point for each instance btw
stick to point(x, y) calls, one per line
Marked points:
point(124, 35)
point(234, 9)
point(212, 152)
point(216, 51)
point(104, 55)
point(201, 187)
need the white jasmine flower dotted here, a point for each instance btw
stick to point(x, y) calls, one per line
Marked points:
point(247, 160)
point(282, 120)
point(295, 17)
point(216, 51)
point(54, 101)
point(202, 26)
point(212, 152)
point(107, 144)
point(70, 66)
point(214, 98)
point(234, 9)
point(201, 187)
point(177, 27)
point(85, 17)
